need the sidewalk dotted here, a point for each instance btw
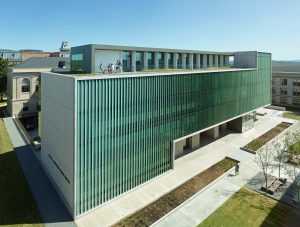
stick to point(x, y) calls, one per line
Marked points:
point(49, 204)
point(206, 202)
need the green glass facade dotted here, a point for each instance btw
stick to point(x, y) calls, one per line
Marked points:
point(125, 126)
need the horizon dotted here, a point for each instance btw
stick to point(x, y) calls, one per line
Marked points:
point(208, 26)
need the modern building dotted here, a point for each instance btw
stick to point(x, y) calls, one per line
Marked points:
point(286, 86)
point(104, 135)
point(23, 83)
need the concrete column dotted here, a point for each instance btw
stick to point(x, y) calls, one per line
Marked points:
point(183, 57)
point(213, 132)
point(204, 56)
point(166, 63)
point(133, 67)
point(221, 61)
point(145, 60)
point(175, 56)
point(198, 61)
point(156, 60)
point(191, 60)
point(210, 56)
point(179, 147)
point(216, 60)
point(194, 141)
point(226, 60)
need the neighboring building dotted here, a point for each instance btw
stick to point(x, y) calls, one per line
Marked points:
point(23, 84)
point(26, 54)
point(286, 89)
point(104, 135)
point(12, 56)
point(286, 83)
point(65, 50)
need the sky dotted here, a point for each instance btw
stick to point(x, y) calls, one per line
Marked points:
point(208, 25)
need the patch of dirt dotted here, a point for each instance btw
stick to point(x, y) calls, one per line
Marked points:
point(263, 139)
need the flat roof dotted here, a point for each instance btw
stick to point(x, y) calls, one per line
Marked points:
point(149, 49)
point(144, 74)
point(286, 74)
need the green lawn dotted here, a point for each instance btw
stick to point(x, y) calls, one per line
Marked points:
point(247, 208)
point(291, 115)
point(17, 206)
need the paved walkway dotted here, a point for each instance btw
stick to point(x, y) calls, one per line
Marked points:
point(199, 207)
point(49, 204)
point(205, 202)
point(185, 168)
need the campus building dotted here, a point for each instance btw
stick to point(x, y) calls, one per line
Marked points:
point(23, 83)
point(103, 135)
point(286, 86)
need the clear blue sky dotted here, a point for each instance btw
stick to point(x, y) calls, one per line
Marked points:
point(221, 25)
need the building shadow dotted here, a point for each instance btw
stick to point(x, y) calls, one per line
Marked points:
point(17, 205)
point(32, 197)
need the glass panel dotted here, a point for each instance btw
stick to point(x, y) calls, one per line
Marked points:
point(161, 60)
point(77, 62)
point(139, 61)
point(126, 61)
point(150, 57)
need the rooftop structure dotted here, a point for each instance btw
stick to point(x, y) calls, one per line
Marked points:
point(88, 58)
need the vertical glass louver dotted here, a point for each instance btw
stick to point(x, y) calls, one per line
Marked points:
point(125, 126)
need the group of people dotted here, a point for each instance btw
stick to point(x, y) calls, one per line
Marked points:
point(112, 68)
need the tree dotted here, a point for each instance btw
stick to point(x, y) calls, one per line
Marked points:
point(293, 171)
point(282, 148)
point(264, 158)
point(4, 64)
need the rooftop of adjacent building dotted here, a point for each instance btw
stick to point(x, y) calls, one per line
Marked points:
point(286, 74)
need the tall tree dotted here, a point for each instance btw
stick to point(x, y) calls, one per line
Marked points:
point(4, 64)
point(265, 158)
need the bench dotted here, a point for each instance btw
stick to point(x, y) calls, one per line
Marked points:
point(270, 181)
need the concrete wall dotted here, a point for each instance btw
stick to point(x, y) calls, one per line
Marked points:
point(246, 59)
point(57, 120)
point(235, 125)
point(179, 147)
point(106, 57)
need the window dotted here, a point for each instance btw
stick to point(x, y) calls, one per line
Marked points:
point(25, 107)
point(37, 85)
point(296, 83)
point(139, 61)
point(283, 100)
point(296, 92)
point(77, 62)
point(61, 64)
point(161, 60)
point(296, 101)
point(25, 85)
point(273, 82)
point(283, 81)
point(283, 91)
point(126, 61)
